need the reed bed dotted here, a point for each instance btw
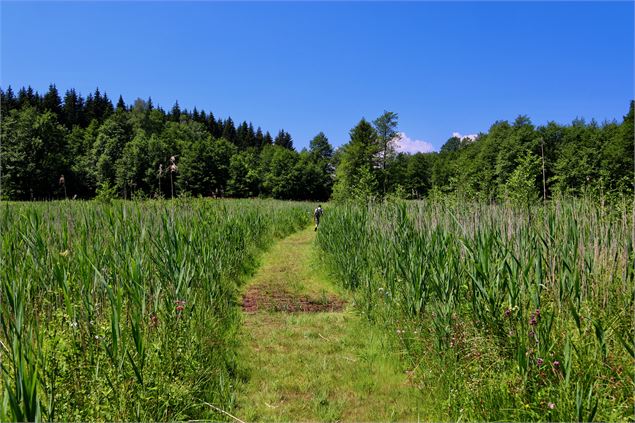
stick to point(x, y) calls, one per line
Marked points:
point(501, 313)
point(127, 310)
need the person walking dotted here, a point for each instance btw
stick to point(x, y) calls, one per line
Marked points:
point(316, 216)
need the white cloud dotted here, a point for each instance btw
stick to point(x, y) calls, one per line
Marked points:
point(405, 144)
point(470, 136)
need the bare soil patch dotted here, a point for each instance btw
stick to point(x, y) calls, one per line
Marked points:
point(257, 299)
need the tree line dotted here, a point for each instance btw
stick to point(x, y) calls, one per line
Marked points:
point(54, 148)
point(515, 161)
point(85, 147)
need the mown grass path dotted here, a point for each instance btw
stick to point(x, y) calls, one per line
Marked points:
point(309, 357)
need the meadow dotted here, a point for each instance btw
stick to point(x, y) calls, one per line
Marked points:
point(127, 310)
point(501, 312)
point(130, 310)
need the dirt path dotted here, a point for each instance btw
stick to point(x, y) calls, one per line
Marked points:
point(310, 357)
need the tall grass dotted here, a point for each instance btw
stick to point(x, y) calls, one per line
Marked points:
point(507, 314)
point(126, 311)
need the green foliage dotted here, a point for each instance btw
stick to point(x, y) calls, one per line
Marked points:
point(33, 154)
point(91, 142)
point(521, 187)
point(510, 314)
point(127, 311)
point(205, 167)
point(357, 163)
point(283, 139)
point(106, 193)
point(386, 127)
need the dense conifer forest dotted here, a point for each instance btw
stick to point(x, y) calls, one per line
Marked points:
point(56, 147)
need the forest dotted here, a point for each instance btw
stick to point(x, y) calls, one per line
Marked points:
point(87, 147)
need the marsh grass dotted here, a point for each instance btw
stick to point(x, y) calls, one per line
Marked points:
point(509, 314)
point(127, 310)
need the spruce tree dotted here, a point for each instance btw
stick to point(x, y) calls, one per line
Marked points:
point(283, 139)
point(251, 136)
point(73, 109)
point(121, 105)
point(259, 138)
point(211, 125)
point(175, 113)
point(267, 140)
point(9, 102)
point(229, 131)
point(52, 101)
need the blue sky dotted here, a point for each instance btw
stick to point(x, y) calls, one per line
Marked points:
point(310, 67)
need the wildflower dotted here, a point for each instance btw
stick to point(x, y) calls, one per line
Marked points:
point(154, 321)
point(65, 253)
point(535, 317)
point(508, 312)
point(551, 406)
point(556, 364)
point(73, 325)
point(539, 362)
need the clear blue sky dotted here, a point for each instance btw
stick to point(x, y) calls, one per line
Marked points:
point(310, 67)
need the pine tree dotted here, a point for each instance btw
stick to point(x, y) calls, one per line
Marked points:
point(283, 139)
point(121, 105)
point(73, 109)
point(175, 113)
point(251, 136)
point(242, 136)
point(268, 139)
point(52, 101)
point(9, 102)
point(259, 138)
point(229, 131)
point(27, 97)
point(211, 125)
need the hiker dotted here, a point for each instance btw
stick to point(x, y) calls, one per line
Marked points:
point(316, 215)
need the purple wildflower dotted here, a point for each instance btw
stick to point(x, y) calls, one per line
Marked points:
point(556, 364)
point(540, 362)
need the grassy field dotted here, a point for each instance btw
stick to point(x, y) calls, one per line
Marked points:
point(325, 365)
point(507, 314)
point(415, 310)
point(127, 311)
